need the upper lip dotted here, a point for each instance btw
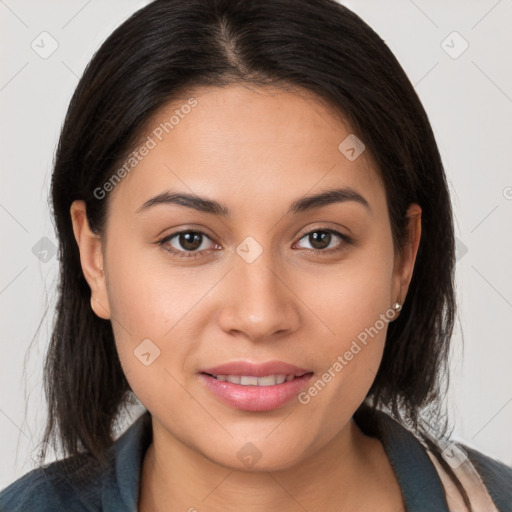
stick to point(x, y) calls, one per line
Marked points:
point(248, 368)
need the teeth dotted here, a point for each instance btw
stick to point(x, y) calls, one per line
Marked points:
point(249, 380)
point(269, 380)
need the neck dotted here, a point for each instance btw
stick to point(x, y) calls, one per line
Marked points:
point(339, 476)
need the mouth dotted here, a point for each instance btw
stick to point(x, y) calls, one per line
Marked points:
point(255, 387)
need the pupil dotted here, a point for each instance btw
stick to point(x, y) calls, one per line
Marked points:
point(190, 241)
point(318, 241)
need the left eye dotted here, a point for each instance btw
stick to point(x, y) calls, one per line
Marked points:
point(321, 239)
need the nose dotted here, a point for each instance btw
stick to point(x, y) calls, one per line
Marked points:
point(258, 300)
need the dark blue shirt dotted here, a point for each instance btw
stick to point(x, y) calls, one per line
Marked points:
point(78, 483)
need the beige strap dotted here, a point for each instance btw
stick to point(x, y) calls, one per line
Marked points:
point(472, 483)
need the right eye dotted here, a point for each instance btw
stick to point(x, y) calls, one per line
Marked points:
point(185, 241)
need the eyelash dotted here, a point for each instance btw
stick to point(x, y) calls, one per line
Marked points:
point(188, 254)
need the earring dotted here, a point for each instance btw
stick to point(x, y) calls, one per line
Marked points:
point(397, 306)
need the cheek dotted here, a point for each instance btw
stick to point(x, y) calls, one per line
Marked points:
point(147, 295)
point(351, 297)
point(354, 305)
point(155, 313)
point(350, 358)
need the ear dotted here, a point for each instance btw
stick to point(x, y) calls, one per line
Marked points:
point(91, 259)
point(404, 263)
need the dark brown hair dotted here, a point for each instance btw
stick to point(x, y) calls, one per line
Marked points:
point(168, 48)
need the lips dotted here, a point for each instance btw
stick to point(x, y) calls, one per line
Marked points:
point(255, 387)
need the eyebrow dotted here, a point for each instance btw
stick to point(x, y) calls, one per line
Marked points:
point(205, 205)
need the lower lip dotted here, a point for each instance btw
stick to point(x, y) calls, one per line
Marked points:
point(256, 398)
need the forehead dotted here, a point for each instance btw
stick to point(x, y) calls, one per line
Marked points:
point(245, 142)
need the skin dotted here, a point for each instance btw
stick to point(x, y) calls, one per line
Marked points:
point(256, 151)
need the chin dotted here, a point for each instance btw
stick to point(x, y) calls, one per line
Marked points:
point(251, 459)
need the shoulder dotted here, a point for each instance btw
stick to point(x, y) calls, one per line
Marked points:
point(496, 476)
point(69, 484)
point(483, 477)
point(29, 493)
point(81, 482)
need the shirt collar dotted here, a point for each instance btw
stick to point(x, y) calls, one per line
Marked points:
point(419, 481)
point(121, 487)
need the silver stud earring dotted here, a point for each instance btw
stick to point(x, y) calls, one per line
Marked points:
point(397, 306)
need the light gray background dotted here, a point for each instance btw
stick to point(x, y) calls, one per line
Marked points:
point(469, 103)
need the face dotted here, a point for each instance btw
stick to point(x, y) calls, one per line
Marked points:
point(274, 278)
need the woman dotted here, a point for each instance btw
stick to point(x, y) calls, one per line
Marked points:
point(256, 242)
